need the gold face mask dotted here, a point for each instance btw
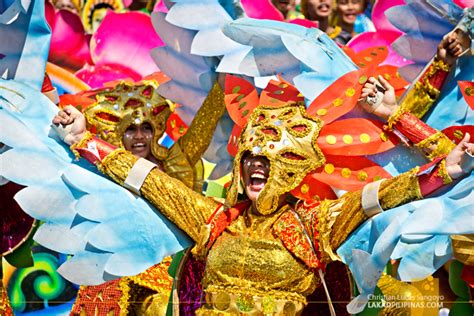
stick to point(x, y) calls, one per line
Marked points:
point(287, 137)
point(130, 104)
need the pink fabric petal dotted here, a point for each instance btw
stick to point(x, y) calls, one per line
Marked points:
point(69, 45)
point(261, 9)
point(304, 22)
point(160, 6)
point(379, 19)
point(380, 38)
point(126, 39)
point(464, 3)
point(50, 12)
point(96, 76)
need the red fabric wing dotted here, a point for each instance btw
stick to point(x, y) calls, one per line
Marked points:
point(241, 99)
point(355, 137)
point(279, 93)
point(339, 98)
point(311, 190)
point(175, 126)
point(371, 56)
point(391, 74)
point(233, 144)
point(467, 90)
point(457, 133)
point(349, 174)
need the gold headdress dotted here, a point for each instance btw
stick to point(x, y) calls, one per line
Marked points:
point(130, 104)
point(94, 11)
point(309, 150)
point(287, 136)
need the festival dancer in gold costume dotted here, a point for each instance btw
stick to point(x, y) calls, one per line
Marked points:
point(265, 255)
point(134, 117)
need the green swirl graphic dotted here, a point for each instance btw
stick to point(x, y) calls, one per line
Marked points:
point(47, 285)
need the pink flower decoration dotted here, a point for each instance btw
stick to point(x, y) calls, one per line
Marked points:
point(120, 48)
point(385, 35)
point(379, 38)
point(261, 9)
point(464, 3)
point(304, 22)
point(379, 19)
point(160, 6)
point(69, 46)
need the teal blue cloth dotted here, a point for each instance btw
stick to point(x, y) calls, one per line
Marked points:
point(108, 231)
point(424, 24)
point(25, 41)
point(416, 233)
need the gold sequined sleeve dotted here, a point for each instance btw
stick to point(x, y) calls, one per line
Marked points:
point(422, 95)
point(338, 218)
point(186, 208)
point(198, 137)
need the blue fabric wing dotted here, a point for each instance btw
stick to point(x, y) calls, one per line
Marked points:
point(424, 23)
point(417, 233)
point(301, 55)
point(191, 76)
point(194, 41)
point(422, 241)
point(451, 108)
point(25, 41)
point(194, 46)
point(87, 216)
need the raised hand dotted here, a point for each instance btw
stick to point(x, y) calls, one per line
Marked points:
point(460, 160)
point(378, 97)
point(70, 124)
point(452, 46)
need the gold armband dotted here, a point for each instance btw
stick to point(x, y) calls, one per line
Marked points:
point(437, 64)
point(436, 145)
point(82, 143)
point(443, 172)
point(395, 117)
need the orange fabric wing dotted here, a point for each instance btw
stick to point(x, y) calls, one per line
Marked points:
point(349, 174)
point(279, 93)
point(467, 90)
point(241, 99)
point(81, 100)
point(349, 52)
point(355, 137)
point(340, 97)
point(371, 56)
point(311, 190)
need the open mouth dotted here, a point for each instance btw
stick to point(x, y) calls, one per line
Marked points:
point(258, 178)
point(138, 146)
point(324, 7)
point(351, 16)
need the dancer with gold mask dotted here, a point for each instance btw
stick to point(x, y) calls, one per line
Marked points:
point(135, 117)
point(265, 255)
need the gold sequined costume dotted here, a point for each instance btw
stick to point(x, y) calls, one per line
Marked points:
point(261, 262)
point(113, 112)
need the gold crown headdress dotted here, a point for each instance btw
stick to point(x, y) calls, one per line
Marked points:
point(128, 104)
point(287, 137)
point(308, 149)
point(94, 11)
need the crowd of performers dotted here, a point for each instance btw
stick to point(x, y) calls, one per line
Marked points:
point(340, 160)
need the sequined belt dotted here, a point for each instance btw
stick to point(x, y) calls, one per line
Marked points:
point(224, 302)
